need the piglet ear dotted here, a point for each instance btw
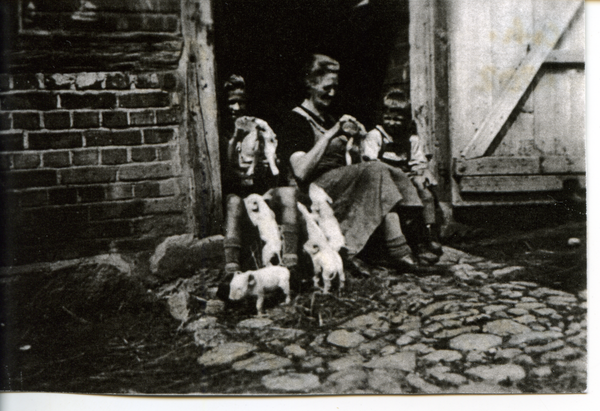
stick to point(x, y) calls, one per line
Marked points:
point(251, 280)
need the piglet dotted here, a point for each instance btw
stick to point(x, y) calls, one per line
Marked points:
point(269, 140)
point(248, 145)
point(257, 283)
point(327, 263)
point(323, 213)
point(264, 219)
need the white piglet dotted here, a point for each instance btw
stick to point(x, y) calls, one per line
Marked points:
point(264, 219)
point(258, 283)
point(323, 213)
point(327, 262)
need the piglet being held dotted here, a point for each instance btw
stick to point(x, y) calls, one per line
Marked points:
point(258, 283)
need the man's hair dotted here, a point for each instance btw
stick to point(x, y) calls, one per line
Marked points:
point(235, 82)
point(396, 98)
point(318, 66)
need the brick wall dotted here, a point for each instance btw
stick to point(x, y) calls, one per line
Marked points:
point(90, 162)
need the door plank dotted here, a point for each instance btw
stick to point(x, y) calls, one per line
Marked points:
point(520, 80)
point(498, 165)
point(510, 184)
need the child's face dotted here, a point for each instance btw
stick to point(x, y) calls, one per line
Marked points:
point(396, 120)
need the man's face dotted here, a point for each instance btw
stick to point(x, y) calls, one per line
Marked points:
point(323, 90)
point(396, 120)
point(236, 103)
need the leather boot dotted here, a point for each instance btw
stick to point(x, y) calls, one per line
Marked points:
point(432, 240)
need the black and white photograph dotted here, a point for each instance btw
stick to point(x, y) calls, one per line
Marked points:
point(293, 197)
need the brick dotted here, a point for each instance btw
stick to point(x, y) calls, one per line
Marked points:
point(141, 100)
point(168, 116)
point(113, 156)
point(146, 189)
point(60, 81)
point(31, 178)
point(146, 80)
point(62, 196)
point(88, 100)
point(108, 229)
point(168, 188)
point(85, 157)
point(33, 198)
point(32, 100)
point(113, 138)
point(89, 81)
point(26, 160)
point(119, 191)
point(141, 118)
point(118, 81)
point(11, 141)
point(114, 119)
point(26, 121)
point(168, 81)
point(115, 210)
point(160, 225)
point(165, 153)
point(143, 154)
point(57, 120)
point(133, 172)
point(5, 82)
point(55, 140)
point(158, 135)
point(5, 161)
point(86, 119)
point(5, 121)
point(91, 194)
point(88, 175)
point(25, 82)
point(56, 159)
point(165, 205)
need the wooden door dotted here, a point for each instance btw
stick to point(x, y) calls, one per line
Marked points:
point(517, 99)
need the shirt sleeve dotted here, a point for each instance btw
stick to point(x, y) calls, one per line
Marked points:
point(418, 160)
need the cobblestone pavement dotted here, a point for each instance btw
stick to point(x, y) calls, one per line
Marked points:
point(478, 329)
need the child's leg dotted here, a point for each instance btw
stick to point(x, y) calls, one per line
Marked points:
point(234, 214)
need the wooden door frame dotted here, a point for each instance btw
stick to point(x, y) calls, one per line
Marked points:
point(429, 85)
point(200, 118)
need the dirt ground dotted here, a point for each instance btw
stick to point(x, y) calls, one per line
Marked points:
point(122, 338)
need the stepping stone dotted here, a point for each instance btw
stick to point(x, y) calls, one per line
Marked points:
point(262, 362)
point(295, 351)
point(201, 323)
point(255, 323)
point(312, 363)
point(371, 320)
point(209, 337)
point(291, 382)
point(566, 353)
point(508, 353)
point(490, 309)
point(422, 385)
point(442, 355)
point(486, 388)
point(345, 339)
point(349, 379)
point(544, 292)
point(285, 334)
point(538, 349)
point(498, 373)
point(542, 372)
point(345, 362)
point(559, 301)
point(403, 361)
point(535, 337)
point(456, 331)
point(475, 342)
point(226, 354)
point(384, 382)
point(448, 377)
point(505, 327)
point(503, 273)
point(404, 340)
point(526, 319)
point(530, 305)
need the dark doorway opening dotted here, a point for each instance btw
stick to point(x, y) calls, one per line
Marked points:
point(267, 42)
